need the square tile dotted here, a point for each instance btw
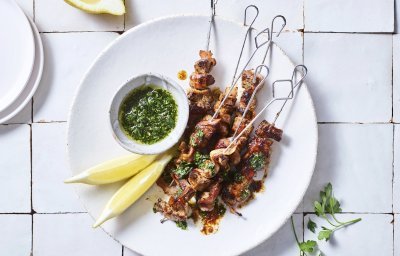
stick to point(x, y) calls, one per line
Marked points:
point(396, 180)
point(16, 237)
point(350, 76)
point(396, 235)
point(70, 234)
point(23, 117)
point(282, 243)
point(349, 16)
point(396, 77)
point(15, 169)
point(67, 58)
point(26, 6)
point(372, 236)
point(50, 169)
point(357, 160)
point(142, 11)
point(58, 16)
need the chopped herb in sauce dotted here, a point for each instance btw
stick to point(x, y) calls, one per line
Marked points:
point(148, 114)
point(200, 158)
point(181, 224)
point(257, 161)
point(196, 137)
point(183, 169)
point(204, 162)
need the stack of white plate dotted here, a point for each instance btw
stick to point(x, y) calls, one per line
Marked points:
point(21, 59)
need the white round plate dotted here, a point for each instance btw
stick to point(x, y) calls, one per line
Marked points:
point(33, 81)
point(17, 52)
point(166, 46)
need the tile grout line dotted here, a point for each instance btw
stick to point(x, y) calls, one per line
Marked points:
point(393, 156)
point(31, 172)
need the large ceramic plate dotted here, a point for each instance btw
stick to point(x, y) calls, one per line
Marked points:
point(166, 46)
point(17, 52)
point(26, 95)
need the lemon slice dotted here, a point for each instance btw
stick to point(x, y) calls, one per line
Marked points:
point(114, 7)
point(133, 189)
point(113, 170)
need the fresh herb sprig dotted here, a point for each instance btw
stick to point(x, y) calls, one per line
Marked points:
point(305, 247)
point(329, 205)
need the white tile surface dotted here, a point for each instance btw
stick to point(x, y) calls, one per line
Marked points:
point(58, 16)
point(282, 243)
point(350, 76)
point(70, 234)
point(23, 117)
point(396, 181)
point(349, 16)
point(50, 169)
point(396, 77)
point(26, 6)
point(141, 11)
point(68, 56)
point(15, 169)
point(396, 235)
point(16, 234)
point(372, 236)
point(357, 160)
point(350, 81)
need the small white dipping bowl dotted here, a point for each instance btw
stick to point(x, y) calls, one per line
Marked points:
point(173, 137)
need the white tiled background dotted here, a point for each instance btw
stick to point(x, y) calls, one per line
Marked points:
point(353, 56)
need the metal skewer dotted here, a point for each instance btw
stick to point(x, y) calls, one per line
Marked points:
point(212, 16)
point(259, 85)
point(304, 74)
point(293, 84)
point(259, 45)
point(271, 33)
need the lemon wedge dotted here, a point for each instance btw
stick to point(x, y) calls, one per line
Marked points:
point(133, 189)
point(114, 7)
point(113, 170)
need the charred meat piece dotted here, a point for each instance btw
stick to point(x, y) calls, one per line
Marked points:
point(208, 198)
point(237, 192)
point(249, 84)
point(200, 101)
point(258, 145)
point(226, 111)
point(206, 63)
point(203, 132)
point(267, 130)
point(201, 81)
point(248, 79)
point(173, 210)
point(186, 153)
point(198, 179)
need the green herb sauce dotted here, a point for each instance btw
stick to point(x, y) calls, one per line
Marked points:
point(257, 161)
point(148, 114)
point(181, 224)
